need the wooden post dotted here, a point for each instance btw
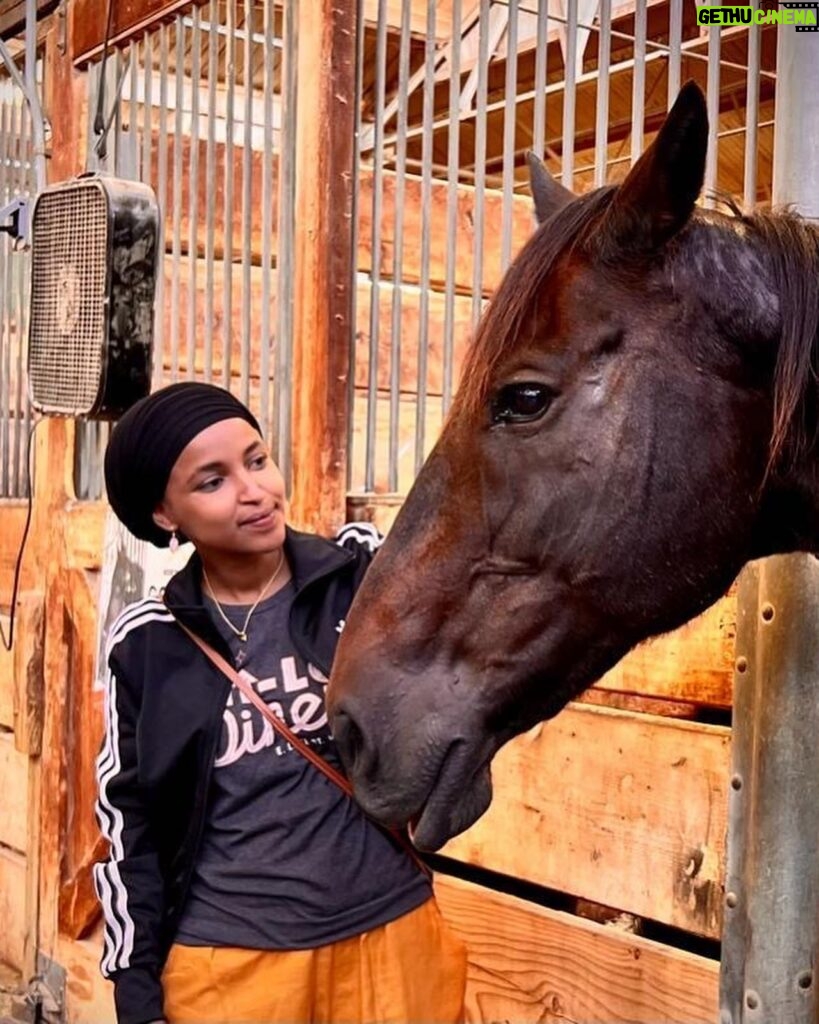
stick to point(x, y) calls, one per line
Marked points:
point(323, 257)
point(53, 489)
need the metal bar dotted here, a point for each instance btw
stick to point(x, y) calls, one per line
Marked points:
point(452, 198)
point(541, 71)
point(509, 134)
point(712, 99)
point(569, 95)
point(751, 114)
point(638, 81)
point(601, 125)
point(391, 108)
point(29, 90)
point(193, 194)
point(22, 268)
point(375, 290)
point(266, 338)
point(162, 189)
point(147, 109)
point(178, 142)
point(286, 244)
point(256, 37)
point(771, 924)
point(247, 206)
point(210, 178)
point(659, 51)
point(426, 203)
point(480, 162)
point(7, 162)
point(227, 260)
point(133, 109)
point(117, 118)
point(675, 15)
point(353, 360)
point(398, 245)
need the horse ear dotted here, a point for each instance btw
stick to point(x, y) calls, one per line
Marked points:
point(659, 193)
point(549, 195)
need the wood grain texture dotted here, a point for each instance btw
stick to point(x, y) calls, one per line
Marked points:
point(323, 255)
point(13, 927)
point(6, 679)
point(626, 810)
point(530, 964)
point(14, 790)
point(12, 522)
point(83, 735)
point(89, 997)
point(694, 663)
point(29, 682)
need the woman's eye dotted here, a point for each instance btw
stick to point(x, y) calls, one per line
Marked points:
point(258, 462)
point(521, 403)
point(210, 484)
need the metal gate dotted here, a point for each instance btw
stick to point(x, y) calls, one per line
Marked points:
point(201, 109)
point(452, 95)
point(17, 180)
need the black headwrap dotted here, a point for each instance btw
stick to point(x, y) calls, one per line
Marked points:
point(147, 441)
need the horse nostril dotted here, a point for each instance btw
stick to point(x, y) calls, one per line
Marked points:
point(351, 744)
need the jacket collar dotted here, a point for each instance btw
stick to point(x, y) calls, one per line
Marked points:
point(310, 558)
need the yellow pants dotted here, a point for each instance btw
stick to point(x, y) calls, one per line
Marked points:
point(410, 971)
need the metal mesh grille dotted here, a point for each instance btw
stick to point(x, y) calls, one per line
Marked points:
point(69, 261)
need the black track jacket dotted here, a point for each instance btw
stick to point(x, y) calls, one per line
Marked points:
point(163, 720)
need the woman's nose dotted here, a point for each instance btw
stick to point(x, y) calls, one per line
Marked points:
point(249, 488)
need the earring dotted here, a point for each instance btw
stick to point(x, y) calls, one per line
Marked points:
point(173, 543)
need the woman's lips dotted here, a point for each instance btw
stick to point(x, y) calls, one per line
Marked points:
point(260, 524)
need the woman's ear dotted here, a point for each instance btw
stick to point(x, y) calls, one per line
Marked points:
point(161, 519)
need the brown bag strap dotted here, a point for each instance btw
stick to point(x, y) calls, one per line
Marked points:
point(287, 733)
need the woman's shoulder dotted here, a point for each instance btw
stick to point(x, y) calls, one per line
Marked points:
point(355, 536)
point(137, 616)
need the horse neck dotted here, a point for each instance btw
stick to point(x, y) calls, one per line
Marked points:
point(769, 263)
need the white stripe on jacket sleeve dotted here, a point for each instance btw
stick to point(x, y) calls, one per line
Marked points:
point(110, 887)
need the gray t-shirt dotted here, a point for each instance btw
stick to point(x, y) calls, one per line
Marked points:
point(287, 861)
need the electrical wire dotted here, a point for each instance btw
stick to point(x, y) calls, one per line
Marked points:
point(7, 643)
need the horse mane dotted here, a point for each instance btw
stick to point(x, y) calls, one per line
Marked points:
point(499, 328)
point(792, 245)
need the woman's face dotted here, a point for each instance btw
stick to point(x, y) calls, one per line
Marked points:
point(225, 493)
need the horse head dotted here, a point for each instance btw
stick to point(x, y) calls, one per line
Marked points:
point(635, 420)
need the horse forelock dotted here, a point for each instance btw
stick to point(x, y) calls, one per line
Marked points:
point(500, 329)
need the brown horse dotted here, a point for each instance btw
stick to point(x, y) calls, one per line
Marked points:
point(637, 418)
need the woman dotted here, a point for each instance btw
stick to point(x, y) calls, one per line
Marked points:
point(242, 884)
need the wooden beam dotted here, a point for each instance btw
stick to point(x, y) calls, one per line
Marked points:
point(12, 907)
point(695, 663)
point(29, 682)
point(530, 964)
point(626, 810)
point(130, 18)
point(12, 522)
point(13, 15)
point(53, 486)
point(83, 732)
point(89, 997)
point(84, 529)
point(14, 787)
point(323, 257)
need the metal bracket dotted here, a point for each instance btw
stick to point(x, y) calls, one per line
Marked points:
point(46, 991)
point(15, 221)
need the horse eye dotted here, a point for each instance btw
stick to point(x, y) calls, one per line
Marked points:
point(521, 403)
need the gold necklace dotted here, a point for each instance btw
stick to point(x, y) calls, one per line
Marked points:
point(242, 633)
